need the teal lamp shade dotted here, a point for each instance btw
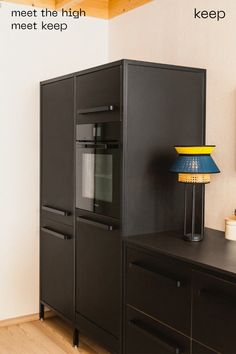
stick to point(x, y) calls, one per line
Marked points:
point(194, 164)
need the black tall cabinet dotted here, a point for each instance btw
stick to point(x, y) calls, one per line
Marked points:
point(57, 196)
point(154, 107)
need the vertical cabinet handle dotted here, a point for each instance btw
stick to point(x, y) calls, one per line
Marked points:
point(55, 211)
point(138, 267)
point(172, 348)
point(55, 233)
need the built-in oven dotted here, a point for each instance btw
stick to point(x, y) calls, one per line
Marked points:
point(98, 168)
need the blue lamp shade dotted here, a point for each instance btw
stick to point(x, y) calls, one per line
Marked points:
point(203, 164)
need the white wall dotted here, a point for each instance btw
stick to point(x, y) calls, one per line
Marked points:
point(27, 58)
point(164, 31)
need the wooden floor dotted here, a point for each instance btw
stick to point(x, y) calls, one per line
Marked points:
point(52, 336)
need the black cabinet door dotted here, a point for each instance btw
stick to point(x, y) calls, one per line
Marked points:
point(214, 312)
point(56, 266)
point(98, 253)
point(57, 146)
point(98, 95)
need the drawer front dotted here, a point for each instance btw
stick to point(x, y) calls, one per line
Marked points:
point(201, 349)
point(160, 287)
point(146, 336)
point(214, 312)
point(98, 96)
point(56, 266)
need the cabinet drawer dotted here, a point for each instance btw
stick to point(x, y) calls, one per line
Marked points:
point(160, 287)
point(98, 95)
point(146, 336)
point(201, 349)
point(56, 266)
point(214, 312)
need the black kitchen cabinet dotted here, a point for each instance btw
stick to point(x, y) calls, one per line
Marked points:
point(57, 150)
point(205, 270)
point(57, 197)
point(107, 136)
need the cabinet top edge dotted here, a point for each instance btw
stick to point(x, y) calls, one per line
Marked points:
point(125, 62)
point(214, 253)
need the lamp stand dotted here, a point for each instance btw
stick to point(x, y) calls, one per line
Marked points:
point(190, 233)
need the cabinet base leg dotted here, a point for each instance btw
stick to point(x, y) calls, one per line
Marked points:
point(41, 312)
point(76, 338)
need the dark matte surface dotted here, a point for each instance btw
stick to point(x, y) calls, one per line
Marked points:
point(146, 336)
point(151, 281)
point(98, 276)
point(164, 108)
point(57, 149)
point(214, 312)
point(214, 252)
point(200, 349)
point(97, 89)
point(56, 268)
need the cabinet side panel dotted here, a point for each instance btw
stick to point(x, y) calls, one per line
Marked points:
point(164, 108)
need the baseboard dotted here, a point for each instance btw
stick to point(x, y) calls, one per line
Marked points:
point(23, 319)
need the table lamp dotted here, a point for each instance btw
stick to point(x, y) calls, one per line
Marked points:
point(194, 165)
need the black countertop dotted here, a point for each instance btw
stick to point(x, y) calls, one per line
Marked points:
point(214, 252)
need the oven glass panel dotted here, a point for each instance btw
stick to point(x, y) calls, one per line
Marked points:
point(97, 170)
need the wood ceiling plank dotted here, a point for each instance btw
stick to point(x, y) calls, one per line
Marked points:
point(94, 8)
point(50, 4)
point(67, 4)
point(118, 7)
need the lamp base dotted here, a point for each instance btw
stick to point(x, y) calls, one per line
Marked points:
point(193, 237)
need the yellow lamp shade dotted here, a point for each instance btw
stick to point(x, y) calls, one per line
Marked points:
point(195, 150)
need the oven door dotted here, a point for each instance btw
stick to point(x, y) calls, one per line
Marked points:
point(98, 178)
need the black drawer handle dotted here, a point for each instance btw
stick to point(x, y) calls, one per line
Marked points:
point(96, 223)
point(163, 342)
point(55, 211)
point(211, 295)
point(96, 109)
point(93, 146)
point(147, 270)
point(54, 233)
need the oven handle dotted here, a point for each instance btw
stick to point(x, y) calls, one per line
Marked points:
point(97, 146)
point(92, 146)
point(95, 223)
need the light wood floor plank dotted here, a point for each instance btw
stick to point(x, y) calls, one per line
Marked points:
point(52, 336)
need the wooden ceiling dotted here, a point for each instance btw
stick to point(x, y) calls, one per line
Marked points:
point(96, 8)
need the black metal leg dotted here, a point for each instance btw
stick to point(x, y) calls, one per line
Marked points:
point(76, 337)
point(41, 313)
